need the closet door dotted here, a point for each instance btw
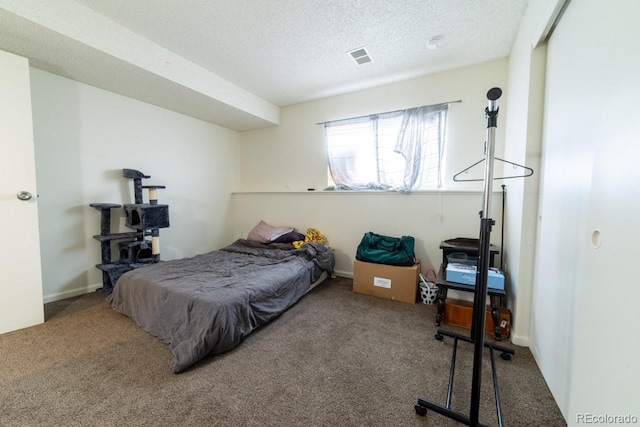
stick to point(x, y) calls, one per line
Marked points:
point(21, 303)
point(589, 233)
point(606, 340)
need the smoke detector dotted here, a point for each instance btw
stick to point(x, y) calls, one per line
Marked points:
point(361, 56)
point(435, 43)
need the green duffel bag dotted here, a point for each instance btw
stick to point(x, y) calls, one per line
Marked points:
point(381, 249)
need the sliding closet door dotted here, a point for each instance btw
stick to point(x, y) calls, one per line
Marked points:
point(21, 303)
point(587, 293)
point(606, 341)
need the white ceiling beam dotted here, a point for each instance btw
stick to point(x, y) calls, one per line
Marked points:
point(89, 28)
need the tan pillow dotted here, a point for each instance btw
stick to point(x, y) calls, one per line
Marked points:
point(265, 233)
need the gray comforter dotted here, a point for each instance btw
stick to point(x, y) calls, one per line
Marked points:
point(207, 304)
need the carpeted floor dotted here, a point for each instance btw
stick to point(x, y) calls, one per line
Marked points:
point(334, 359)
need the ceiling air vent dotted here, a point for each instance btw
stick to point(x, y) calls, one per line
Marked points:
point(361, 56)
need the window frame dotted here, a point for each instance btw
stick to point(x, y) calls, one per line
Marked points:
point(413, 135)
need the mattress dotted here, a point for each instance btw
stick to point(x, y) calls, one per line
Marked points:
point(207, 304)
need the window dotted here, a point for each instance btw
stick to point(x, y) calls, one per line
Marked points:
point(395, 151)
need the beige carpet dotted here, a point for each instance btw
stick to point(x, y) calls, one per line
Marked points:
point(334, 359)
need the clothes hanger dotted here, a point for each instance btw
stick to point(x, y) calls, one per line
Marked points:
point(528, 171)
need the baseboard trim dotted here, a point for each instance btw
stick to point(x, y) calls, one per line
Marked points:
point(71, 293)
point(92, 288)
point(345, 274)
point(522, 341)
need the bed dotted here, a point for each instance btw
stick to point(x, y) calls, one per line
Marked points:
point(207, 304)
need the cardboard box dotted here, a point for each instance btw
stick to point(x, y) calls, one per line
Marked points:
point(386, 281)
point(460, 313)
point(466, 274)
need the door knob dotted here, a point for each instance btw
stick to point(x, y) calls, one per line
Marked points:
point(24, 195)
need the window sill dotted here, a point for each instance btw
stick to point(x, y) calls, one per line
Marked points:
point(369, 192)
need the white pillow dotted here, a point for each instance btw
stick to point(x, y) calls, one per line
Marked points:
point(265, 233)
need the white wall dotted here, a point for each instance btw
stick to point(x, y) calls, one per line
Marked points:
point(523, 145)
point(585, 301)
point(343, 217)
point(292, 156)
point(279, 162)
point(84, 137)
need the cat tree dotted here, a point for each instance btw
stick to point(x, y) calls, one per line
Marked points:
point(134, 248)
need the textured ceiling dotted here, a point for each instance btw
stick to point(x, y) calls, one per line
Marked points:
point(235, 62)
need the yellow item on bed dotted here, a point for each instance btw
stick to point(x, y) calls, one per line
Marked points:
point(312, 235)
